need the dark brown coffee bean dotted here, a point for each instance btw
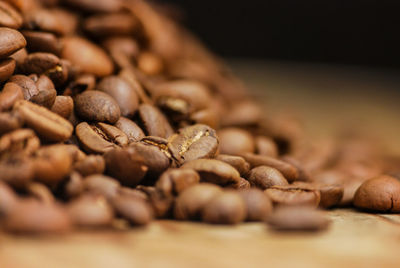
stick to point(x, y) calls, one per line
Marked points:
point(190, 203)
point(9, 95)
point(8, 199)
point(237, 162)
point(10, 42)
point(83, 82)
point(292, 218)
point(266, 146)
point(103, 185)
point(331, 194)
point(40, 63)
point(9, 122)
point(193, 142)
point(111, 24)
point(235, 141)
point(17, 171)
point(86, 56)
point(97, 6)
point(97, 106)
point(381, 194)
point(174, 181)
point(9, 17)
point(135, 210)
point(214, 171)
point(122, 92)
point(47, 93)
point(126, 165)
point(48, 125)
point(92, 164)
point(99, 138)
point(130, 128)
point(289, 171)
point(91, 210)
point(293, 195)
point(225, 208)
point(258, 205)
point(161, 204)
point(28, 86)
point(21, 142)
point(63, 106)
point(264, 177)
point(42, 42)
point(32, 216)
point(7, 67)
point(40, 192)
point(154, 122)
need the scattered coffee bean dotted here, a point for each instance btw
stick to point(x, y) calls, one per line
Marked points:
point(258, 205)
point(293, 195)
point(235, 141)
point(237, 162)
point(135, 210)
point(331, 194)
point(264, 177)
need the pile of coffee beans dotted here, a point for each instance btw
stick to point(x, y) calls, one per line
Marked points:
point(112, 115)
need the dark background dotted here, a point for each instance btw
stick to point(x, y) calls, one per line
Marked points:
point(362, 32)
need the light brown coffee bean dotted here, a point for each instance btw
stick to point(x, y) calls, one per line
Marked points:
point(122, 49)
point(135, 210)
point(235, 141)
point(266, 146)
point(10, 42)
point(293, 196)
point(122, 93)
point(21, 142)
point(97, 6)
point(8, 199)
point(264, 177)
point(42, 42)
point(117, 24)
point(237, 162)
point(130, 128)
point(193, 142)
point(245, 113)
point(207, 117)
point(130, 76)
point(9, 121)
point(134, 193)
point(150, 63)
point(9, 95)
point(214, 171)
point(97, 106)
point(381, 194)
point(292, 218)
point(92, 164)
point(154, 122)
point(331, 194)
point(190, 203)
point(48, 125)
point(9, 17)
point(103, 185)
point(174, 181)
point(86, 56)
point(7, 67)
point(73, 185)
point(258, 205)
point(40, 192)
point(17, 171)
point(242, 184)
point(225, 208)
point(28, 86)
point(20, 57)
point(63, 106)
point(161, 204)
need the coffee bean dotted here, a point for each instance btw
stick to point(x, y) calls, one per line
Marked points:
point(235, 141)
point(41, 63)
point(103, 185)
point(350, 188)
point(243, 114)
point(47, 93)
point(154, 122)
point(8, 199)
point(47, 124)
point(237, 162)
point(174, 181)
point(117, 24)
point(42, 42)
point(17, 171)
point(193, 142)
point(122, 50)
point(63, 106)
point(266, 146)
point(92, 164)
point(135, 210)
point(133, 193)
point(97, 106)
point(73, 185)
point(9, 121)
point(19, 57)
point(258, 205)
point(88, 57)
point(130, 128)
point(7, 67)
point(90, 210)
point(225, 208)
point(9, 95)
point(292, 218)
point(10, 42)
point(214, 171)
point(190, 203)
point(264, 177)
point(122, 92)
point(289, 171)
point(28, 86)
point(207, 117)
point(331, 194)
point(100, 137)
point(126, 165)
point(293, 195)
point(161, 204)
point(379, 194)
point(97, 5)
point(242, 184)
point(40, 192)
point(9, 17)
point(21, 142)
point(131, 77)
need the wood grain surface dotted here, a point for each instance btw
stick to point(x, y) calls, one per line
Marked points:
point(326, 97)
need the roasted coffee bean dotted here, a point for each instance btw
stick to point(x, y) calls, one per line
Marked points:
point(86, 56)
point(289, 171)
point(9, 122)
point(193, 142)
point(207, 117)
point(214, 171)
point(111, 24)
point(8, 199)
point(97, 5)
point(17, 171)
point(150, 63)
point(381, 194)
point(135, 210)
point(242, 184)
point(190, 203)
point(41, 63)
point(264, 177)
point(161, 204)
point(243, 114)
point(103, 185)
point(73, 185)
point(131, 77)
point(225, 208)
point(42, 42)
point(92, 164)
point(174, 181)
point(235, 141)
point(122, 50)
point(126, 165)
point(9, 17)
point(350, 188)
point(47, 124)
point(19, 58)
point(97, 106)
point(154, 122)
point(28, 86)
point(237, 162)
point(266, 146)
point(100, 138)
point(47, 93)
point(83, 82)
point(130, 128)
point(21, 142)
point(331, 194)
point(292, 218)
point(10, 42)
point(258, 205)
point(294, 195)
point(9, 95)
point(90, 210)
point(7, 68)
point(32, 216)
point(134, 193)
point(122, 92)
point(63, 106)
point(40, 192)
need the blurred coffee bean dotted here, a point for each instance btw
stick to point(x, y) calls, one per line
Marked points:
point(63, 106)
point(130, 128)
point(7, 68)
point(9, 95)
point(135, 210)
point(264, 177)
point(174, 181)
point(266, 146)
point(9, 17)
point(103, 185)
point(92, 164)
point(258, 205)
point(294, 195)
point(235, 141)
point(237, 162)
point(154, 122)
point(10, 42)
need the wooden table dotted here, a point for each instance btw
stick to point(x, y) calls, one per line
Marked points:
point(326, 97)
